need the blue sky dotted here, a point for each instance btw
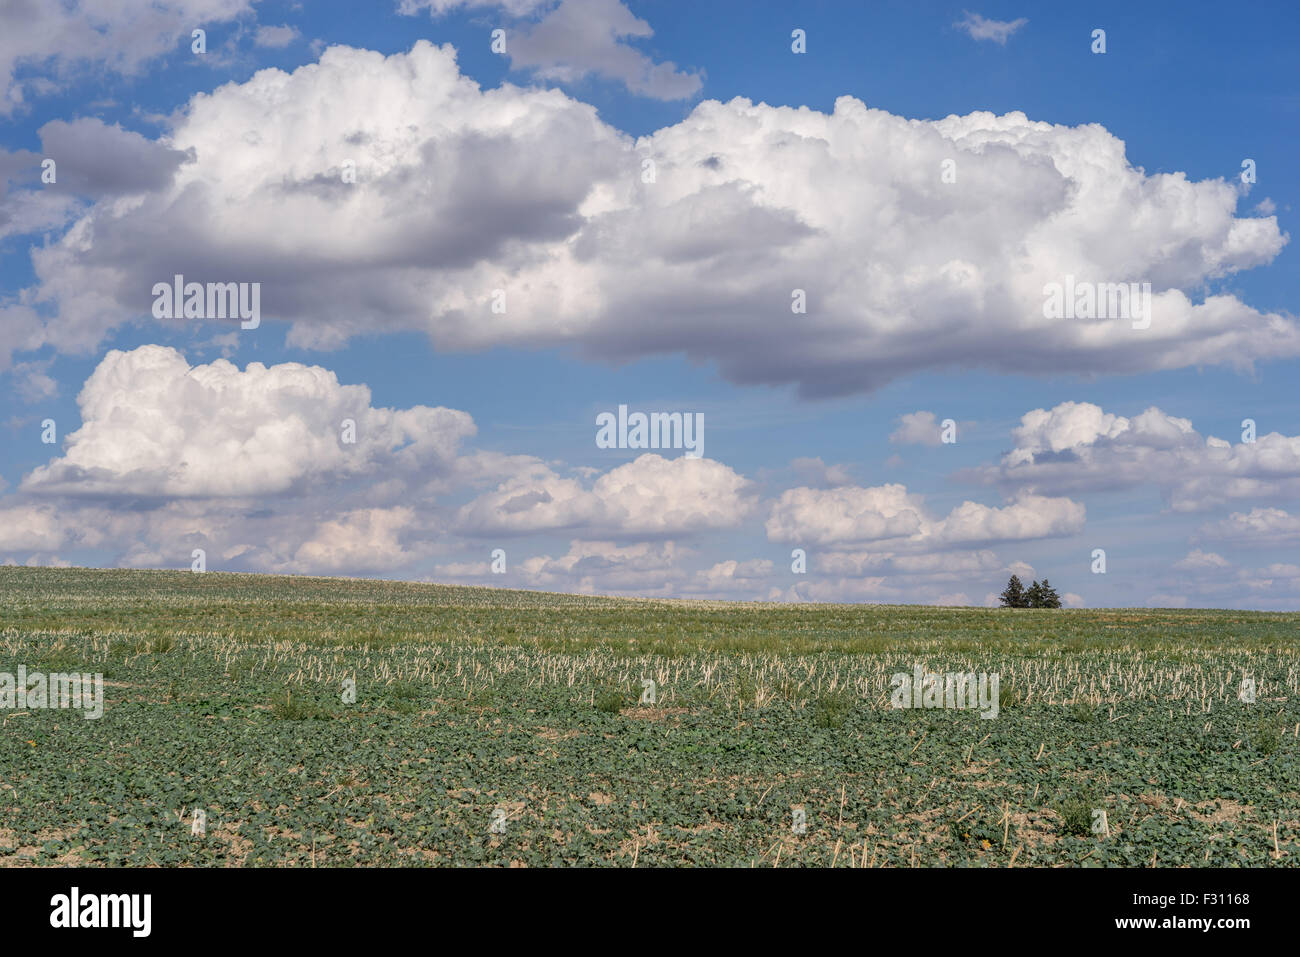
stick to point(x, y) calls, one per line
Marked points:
point(653, 296)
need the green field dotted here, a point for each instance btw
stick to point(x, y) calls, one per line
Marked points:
point(478, 708)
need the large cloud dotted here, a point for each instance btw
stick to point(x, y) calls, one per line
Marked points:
point(1077, 447)
point(462, 192)
point(283, 468)
point(152, 425)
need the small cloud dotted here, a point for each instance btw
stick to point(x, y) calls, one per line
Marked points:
point(1198, 560)
point(957, 599)
point(1023, 570)
point(1266, 207)
point(813, 471)
point(916, 428)
point(982, 28)
point(32, 383)
point(227, 343)
point(276, 37)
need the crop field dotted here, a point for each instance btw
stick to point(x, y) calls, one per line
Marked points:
point(510, 728)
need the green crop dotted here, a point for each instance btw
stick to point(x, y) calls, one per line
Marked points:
point(504, 727)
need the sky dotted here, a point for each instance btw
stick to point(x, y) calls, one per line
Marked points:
point(945, 293)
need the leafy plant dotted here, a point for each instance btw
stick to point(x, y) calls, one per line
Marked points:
point(1083, 712)
point(611, 701)
point(832, 709)
point(299, 709)
point(1268, 736)
point(1076, 816)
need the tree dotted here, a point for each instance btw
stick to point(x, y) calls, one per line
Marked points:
point(1034, 595)
point(1047, 596)
point(1013, 596)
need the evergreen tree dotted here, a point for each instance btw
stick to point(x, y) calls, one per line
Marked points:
point(1048, 598)
point(1034, 595)
point(1013, 596)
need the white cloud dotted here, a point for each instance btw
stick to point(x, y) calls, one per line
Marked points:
point(1215, 581)
point(580, 38)
point(1197, 560)
point(275, 37)
point(889, 514)
point(1029, 517)
point(60, 38)
point(813, 471)
point(517, 8)
point(646, 568)
point(588, 37)
point(1077, 447)
point(650, 496)
point(1260, 527)
point(723, 578)
point(982, 28)
point(903, 272)
point(845, 515)
point(365, 540)
point(32, 528)
point(154, 425)
point(917, 428)
point(33, 383)
point(255, 466)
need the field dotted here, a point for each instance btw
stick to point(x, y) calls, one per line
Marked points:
point(506, 728)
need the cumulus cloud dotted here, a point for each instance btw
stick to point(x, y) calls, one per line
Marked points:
point(917, 428)
point(1197, 560)
point(724, 578)
point(285, 469)
point(1260, 527)
point(651, 496)
point(152, 425)
point(1078, 447)
point(1215, 581)
point(530, 193)
point(859, 576)
point(580, 38)
point(361, 540)
point(591, 567)
point(30, 528)
point(585, 37)
point(890, 515)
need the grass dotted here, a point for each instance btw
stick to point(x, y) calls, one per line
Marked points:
point(225, 692)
